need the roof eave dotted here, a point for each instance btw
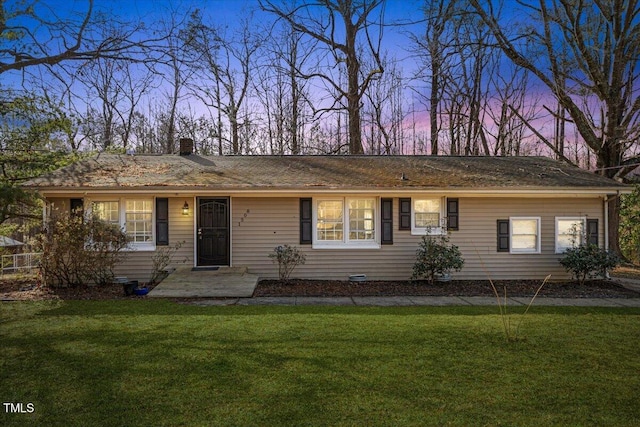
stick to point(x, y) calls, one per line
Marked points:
point(265, 190)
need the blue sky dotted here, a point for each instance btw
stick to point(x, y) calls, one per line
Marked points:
point(228, 12)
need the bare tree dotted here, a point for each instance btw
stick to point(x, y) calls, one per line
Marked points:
point(34, 34)
point(320, 21)
point(116, 87)
point(596, 86)
point(511, 93)
point(438, 15)
point(227, 65)
point(384, 109)
point(282, 91)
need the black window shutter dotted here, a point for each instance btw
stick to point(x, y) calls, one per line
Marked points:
point(405, 214)
point(452, 214)
point(592, 231)
point(387, 221)
point(162, 221)
point(76, 206)
point(306, 221)
point(503, 235)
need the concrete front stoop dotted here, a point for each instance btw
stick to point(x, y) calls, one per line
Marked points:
point(225, 282)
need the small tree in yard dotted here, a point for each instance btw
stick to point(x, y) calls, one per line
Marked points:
point(78, 250)
point(588, 262)
point(288, 258)
point(435, 257)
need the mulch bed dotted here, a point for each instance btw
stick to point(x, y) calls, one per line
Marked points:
point(514, 288)
point(26, 288)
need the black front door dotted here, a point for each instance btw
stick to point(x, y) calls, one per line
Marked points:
point(213, 231)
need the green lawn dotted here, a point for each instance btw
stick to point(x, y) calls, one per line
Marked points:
point(154, 363)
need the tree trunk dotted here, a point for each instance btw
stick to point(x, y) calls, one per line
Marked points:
point(353, 96)
point(613, 210)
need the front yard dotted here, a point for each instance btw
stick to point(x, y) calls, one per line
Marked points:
point(156, 363)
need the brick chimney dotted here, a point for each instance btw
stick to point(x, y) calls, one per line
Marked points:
point(186, 146)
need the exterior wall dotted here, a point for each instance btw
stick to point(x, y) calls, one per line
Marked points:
point(138, 264)
point(477, 239)
point(260, 224)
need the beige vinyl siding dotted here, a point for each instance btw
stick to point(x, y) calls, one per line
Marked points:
point(477, 235)
point(260, 224)
point(138, 265)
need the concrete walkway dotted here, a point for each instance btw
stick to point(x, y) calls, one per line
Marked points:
point(235, 286)
point(420, 301)
point(226, 282)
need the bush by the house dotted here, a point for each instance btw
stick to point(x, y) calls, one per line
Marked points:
point(588, 262)
point(436, 257)
point(78, 250)
point(161, 259)
point(288, 258)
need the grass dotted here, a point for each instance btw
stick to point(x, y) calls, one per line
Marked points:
point(155, 363)
point(627, 271)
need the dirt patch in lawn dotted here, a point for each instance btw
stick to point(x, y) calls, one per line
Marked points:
point(27, 288)
point(514, 288)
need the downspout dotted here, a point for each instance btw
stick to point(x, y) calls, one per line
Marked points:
point(606, 229)
point(606, 222)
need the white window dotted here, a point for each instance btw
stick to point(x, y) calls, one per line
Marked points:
point(330, 224)
point(133, 216)
point(524, 235)
point(139, 220)
point(427, 216)
point(362, 219)
point(341, 222)
point(570, 232)
point(107, 211)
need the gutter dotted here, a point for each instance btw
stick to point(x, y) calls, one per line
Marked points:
point(271, 191)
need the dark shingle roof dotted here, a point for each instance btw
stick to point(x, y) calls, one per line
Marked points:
point(113, 171)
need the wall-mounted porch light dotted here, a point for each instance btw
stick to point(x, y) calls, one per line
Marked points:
point(185, 209)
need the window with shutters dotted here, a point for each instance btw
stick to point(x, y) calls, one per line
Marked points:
point(524, 235)
point(570, 232)
point(134, 216)
point(427, 216)
point(518, 235)
point(346, 222)
point(139, 220)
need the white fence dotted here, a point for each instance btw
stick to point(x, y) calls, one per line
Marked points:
point(19, 262)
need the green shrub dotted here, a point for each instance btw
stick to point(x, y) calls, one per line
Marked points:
point(435, 257)
point(288, 258)
point(588, 262)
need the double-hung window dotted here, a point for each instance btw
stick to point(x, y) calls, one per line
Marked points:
point(134, 216)
point(108, 211)
point(343, 221)
point(570, 232)
point(427, 216)
point(525, 235)
point(139, 220)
